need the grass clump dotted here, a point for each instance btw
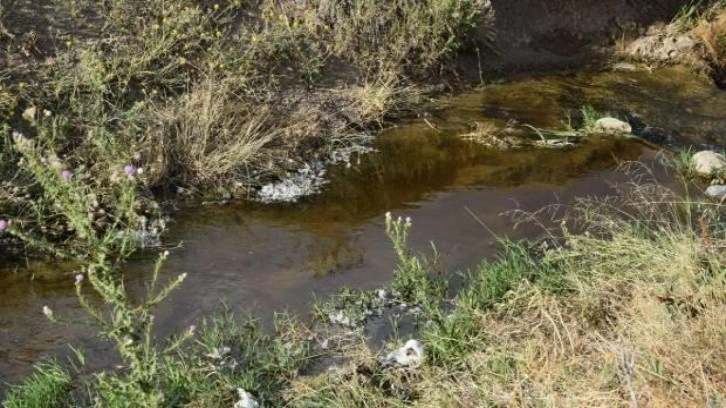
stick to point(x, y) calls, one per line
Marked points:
point(209, 137)
point(230, 354)
point(711, 29)
point(48, 387)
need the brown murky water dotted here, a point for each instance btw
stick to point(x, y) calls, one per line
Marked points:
point(262, 258)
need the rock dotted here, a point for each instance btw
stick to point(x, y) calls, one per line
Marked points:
point(339, 318)
point(613, 126)
point(708, 162)
point(716, 191)
point(382, 294)
point(410, 355)
point(246, 400)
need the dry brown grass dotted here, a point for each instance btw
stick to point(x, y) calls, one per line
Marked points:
point(713, 34)
point(210, 135)
point(711, 29)
point(374, 98)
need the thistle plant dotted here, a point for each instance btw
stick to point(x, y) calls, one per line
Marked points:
point(411, 278)
point(103, 213)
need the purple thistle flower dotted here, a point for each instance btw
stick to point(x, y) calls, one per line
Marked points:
point(3, 224)
point(192, 328)
point(16, 134)
point(66, 174)
point(79, 278)
point(130, 170)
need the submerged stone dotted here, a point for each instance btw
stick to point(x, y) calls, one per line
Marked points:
point(708, 162)
point(613, 126)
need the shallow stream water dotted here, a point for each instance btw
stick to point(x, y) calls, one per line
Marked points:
point(269, 257)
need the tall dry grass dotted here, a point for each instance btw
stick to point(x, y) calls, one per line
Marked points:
point(208, 136)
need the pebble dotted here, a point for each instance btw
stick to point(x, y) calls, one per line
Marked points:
point(613, 126)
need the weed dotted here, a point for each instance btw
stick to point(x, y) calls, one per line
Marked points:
point(102, 213)
point(411, 280)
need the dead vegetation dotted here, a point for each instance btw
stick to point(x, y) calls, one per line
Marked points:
point(711, 30)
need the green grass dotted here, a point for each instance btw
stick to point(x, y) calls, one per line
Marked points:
point(48, 387)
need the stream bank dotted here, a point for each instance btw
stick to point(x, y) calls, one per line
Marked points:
point(271, 257)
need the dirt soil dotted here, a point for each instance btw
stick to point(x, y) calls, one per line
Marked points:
point(557, 34)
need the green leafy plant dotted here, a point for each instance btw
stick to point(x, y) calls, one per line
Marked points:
point(74, 198)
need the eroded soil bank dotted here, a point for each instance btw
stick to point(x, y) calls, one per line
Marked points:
point(556, 34)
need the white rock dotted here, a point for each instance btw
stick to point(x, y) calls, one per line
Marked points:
point(708, 162)
point(339, 318)
point(716, 191)
point(382, 294)
point(219, 353)
point(613, 126)
point(410, 355)
point(246, 400)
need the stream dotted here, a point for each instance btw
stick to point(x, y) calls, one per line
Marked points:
point(261, 258)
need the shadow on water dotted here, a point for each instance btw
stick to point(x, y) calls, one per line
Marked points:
point(263, 258)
